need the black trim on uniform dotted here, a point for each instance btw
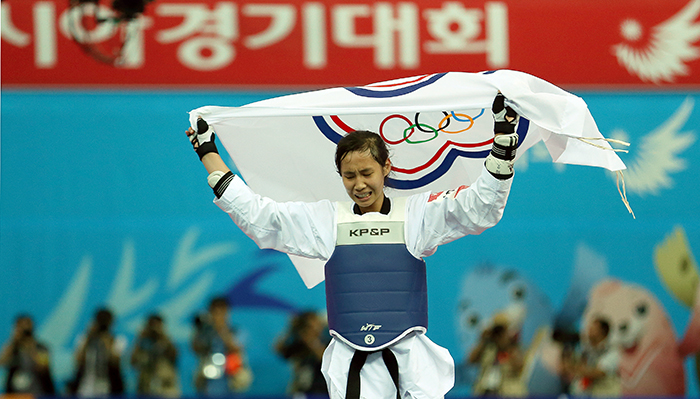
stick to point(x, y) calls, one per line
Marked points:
point(386, 207)
point(223, 183)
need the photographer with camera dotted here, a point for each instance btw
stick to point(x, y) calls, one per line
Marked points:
point(593, 368)
point(155, 359)
point(222, 367)
point(98, 359)
point(27, 361)
point(501, 360)
point(302, 345)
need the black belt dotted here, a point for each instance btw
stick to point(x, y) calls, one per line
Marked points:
point(352, 390)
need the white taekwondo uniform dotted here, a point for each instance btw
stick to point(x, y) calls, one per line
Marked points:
point(309, 229)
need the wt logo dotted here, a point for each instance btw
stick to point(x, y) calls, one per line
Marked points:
point(370, 327)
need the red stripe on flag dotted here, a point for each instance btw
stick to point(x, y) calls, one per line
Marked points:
point(399, 84)
point(342, 124)
point(439, 153)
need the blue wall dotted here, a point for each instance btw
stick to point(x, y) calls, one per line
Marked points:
point(102, 201)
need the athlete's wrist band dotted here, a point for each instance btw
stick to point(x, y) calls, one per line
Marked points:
point(500, 169)
point(221, 184)
point(500, 161)
point(505, 146)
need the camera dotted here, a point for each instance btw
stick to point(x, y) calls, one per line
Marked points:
point(119, 19)
point(126, 10)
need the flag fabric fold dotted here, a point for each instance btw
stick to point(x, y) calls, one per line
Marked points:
point(439, 129)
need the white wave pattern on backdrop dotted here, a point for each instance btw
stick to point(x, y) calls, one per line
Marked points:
point(669, 46)
point(659, 153)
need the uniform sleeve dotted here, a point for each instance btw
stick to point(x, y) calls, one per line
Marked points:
point(298, 228)
point(433, 219)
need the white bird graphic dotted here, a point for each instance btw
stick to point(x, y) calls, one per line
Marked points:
point(658, 156)
point(669, 47)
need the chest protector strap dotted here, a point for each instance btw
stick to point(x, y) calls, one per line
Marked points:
point(376, 291)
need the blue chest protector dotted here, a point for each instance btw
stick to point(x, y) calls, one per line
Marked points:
point(376, 291)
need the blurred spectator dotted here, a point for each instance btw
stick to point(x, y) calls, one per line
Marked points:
point(501, 362)
point(155, 359)
point(303, 345)
point(569, 341)
point(222, 367)
point(98, 359)
point(26, 360)
point(594, 371)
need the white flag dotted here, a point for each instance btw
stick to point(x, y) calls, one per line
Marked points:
point(439, 128)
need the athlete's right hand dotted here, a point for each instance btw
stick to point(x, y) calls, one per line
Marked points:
point(203, 140)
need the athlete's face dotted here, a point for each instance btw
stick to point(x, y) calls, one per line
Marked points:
point(363, 178)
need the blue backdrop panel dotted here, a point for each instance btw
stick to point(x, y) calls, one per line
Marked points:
point(103, 202)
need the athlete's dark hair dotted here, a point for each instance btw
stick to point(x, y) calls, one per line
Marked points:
point(361, 141)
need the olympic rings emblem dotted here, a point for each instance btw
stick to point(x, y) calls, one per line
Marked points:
point(425, 128)
point(442, 158)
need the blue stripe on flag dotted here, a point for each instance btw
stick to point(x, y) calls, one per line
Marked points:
point(437, 173)
point(362, 92)
point(446, 164)
point(326, 129)
point(523, 127)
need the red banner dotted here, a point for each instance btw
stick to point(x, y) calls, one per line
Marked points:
point(298, 43)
